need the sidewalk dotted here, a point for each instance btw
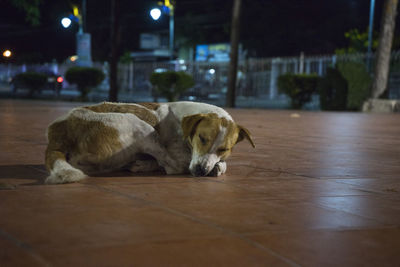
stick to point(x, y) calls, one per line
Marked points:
point(320, 189)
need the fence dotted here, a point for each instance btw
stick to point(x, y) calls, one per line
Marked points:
point(257, 77)
point(256, 80)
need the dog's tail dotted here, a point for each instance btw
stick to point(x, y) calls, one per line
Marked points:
point(56, 162)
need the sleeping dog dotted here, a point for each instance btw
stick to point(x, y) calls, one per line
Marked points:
point(178, 137)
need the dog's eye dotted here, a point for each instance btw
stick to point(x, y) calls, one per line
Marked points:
point(222, 150)
point(202, 140)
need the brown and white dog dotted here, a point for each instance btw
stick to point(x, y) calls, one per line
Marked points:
point(179, 137)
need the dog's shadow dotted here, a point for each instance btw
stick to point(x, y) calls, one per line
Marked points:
point(38, 174)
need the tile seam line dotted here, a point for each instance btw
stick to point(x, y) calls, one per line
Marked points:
point(316, 178)
point(331, 230)
point(362, 188)
point(255, 168)
point(195, 219)
point(274, 198)
point(24, 246)
point(351, 213)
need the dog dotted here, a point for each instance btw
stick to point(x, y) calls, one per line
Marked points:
point(178, 137)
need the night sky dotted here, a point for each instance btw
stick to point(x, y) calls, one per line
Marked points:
point(269, 27)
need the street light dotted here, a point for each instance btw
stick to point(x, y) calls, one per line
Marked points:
point(83, 40)
point(155, 14)
point(75, 16)
point(7, 53)
point(66, 22)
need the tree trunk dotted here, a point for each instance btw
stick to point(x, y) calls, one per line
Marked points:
point(113, 92)
point(232, 75)
point(381, 73)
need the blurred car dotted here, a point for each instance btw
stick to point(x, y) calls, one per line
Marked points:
point(37, 82)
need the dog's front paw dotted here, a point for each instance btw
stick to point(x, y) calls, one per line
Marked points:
point(63, 176)
point(219, 169)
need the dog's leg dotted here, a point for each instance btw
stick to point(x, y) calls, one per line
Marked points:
point(56, 157)
point(154, 148)
point(60, 170)
point(219, 169)
point(164, 159)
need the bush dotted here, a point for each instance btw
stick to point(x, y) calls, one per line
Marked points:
point(358, 82)
point(171, 84)
point(299, 87)
point(34, 81)
point(85, 78)
point(332, 90)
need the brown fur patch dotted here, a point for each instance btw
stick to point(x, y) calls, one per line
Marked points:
point(141, 112)
point(148, 105)
point(206, 132)
point(202, 129)
point(232, 132)
point(76, 136)
point(189, 124)
point(245, 134)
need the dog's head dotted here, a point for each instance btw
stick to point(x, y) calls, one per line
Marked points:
point(212, 139)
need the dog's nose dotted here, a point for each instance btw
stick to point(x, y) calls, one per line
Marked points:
point(200, 171)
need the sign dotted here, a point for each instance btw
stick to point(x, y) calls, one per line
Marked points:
point(149, 41)
point(213, 52)
point(83, 49)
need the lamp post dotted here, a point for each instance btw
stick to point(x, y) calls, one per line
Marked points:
point(370, 31)
point(7, 55)
point(83, 40)
point(155, 14)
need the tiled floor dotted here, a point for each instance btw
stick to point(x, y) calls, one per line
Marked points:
point(322, 189)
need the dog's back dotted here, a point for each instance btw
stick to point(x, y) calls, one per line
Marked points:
point(98, 137)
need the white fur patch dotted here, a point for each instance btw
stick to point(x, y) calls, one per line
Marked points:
point(186, 108)
point(129, 126)
point(219, 140)
point(210, 159)
point(63, 172)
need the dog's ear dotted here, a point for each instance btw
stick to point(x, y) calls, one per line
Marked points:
point(189, 124)
point(244, 133)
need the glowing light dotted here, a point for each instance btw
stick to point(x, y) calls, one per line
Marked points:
point(73, 58)
point(75, 11)
point(66, 22)
point(211, 71)
point(7, 53)
point(60, 79)
point(155, 13)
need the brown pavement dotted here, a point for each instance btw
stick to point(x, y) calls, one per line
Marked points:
point(320, 189)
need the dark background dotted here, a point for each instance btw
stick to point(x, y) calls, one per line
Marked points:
point(268, 27)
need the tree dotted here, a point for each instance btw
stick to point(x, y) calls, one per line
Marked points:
point(381, 73)
point(85, 78)
point(31, 8)
point(115, 40)
point(231, 94)
point(171, 84)
point(358, 42)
